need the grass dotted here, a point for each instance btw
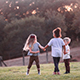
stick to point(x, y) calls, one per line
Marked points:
point(19, 72)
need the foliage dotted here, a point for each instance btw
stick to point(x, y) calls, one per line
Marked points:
point(19, 18)
point(17, 32)
point(55, 19)
point(76, 24)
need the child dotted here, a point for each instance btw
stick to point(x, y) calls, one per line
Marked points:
point(56, 44)
point(66, 56)
point(34, 51)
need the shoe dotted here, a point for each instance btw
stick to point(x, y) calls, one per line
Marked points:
point(27, 73)
point(54, 73)
point(66, 72)
point(58, 73)
point(39, 73)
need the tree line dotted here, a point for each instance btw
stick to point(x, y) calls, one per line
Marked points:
point(19, 18)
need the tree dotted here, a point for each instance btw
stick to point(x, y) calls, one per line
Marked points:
point(19, 18)
point(2, 33)
point(55, 19)
point(17, 32)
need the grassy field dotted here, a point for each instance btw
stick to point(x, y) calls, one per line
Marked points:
point(19, 72)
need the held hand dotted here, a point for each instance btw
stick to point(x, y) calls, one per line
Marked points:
point(44, 49)
point(65, 52)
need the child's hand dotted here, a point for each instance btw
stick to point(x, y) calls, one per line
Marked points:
point(44, 49)
point(65, 52)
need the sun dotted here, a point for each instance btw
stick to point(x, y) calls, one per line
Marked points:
point(68, 8)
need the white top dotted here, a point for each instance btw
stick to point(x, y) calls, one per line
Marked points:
point(67, 56)
point(56, 46)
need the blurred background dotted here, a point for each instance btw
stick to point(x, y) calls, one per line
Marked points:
point(19, 18)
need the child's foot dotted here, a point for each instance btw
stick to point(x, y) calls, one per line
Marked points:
point(66, 72)
point(58, 73)
point(27, 73)
point(39, 73)
point(54, 73)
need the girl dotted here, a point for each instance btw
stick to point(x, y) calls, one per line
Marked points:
point(56, 44)
point(66, 56)
point(33, 46)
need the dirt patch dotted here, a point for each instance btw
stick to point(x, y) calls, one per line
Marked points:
point(75, 52)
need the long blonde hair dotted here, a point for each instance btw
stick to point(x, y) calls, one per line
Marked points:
point(30, 41)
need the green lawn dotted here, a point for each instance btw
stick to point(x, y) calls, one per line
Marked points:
point(19, 72)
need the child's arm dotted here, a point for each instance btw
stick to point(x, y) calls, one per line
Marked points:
point(33, 51)
point(45, 47)
point(41, 47)
point(64, 49)
point(67, 51)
